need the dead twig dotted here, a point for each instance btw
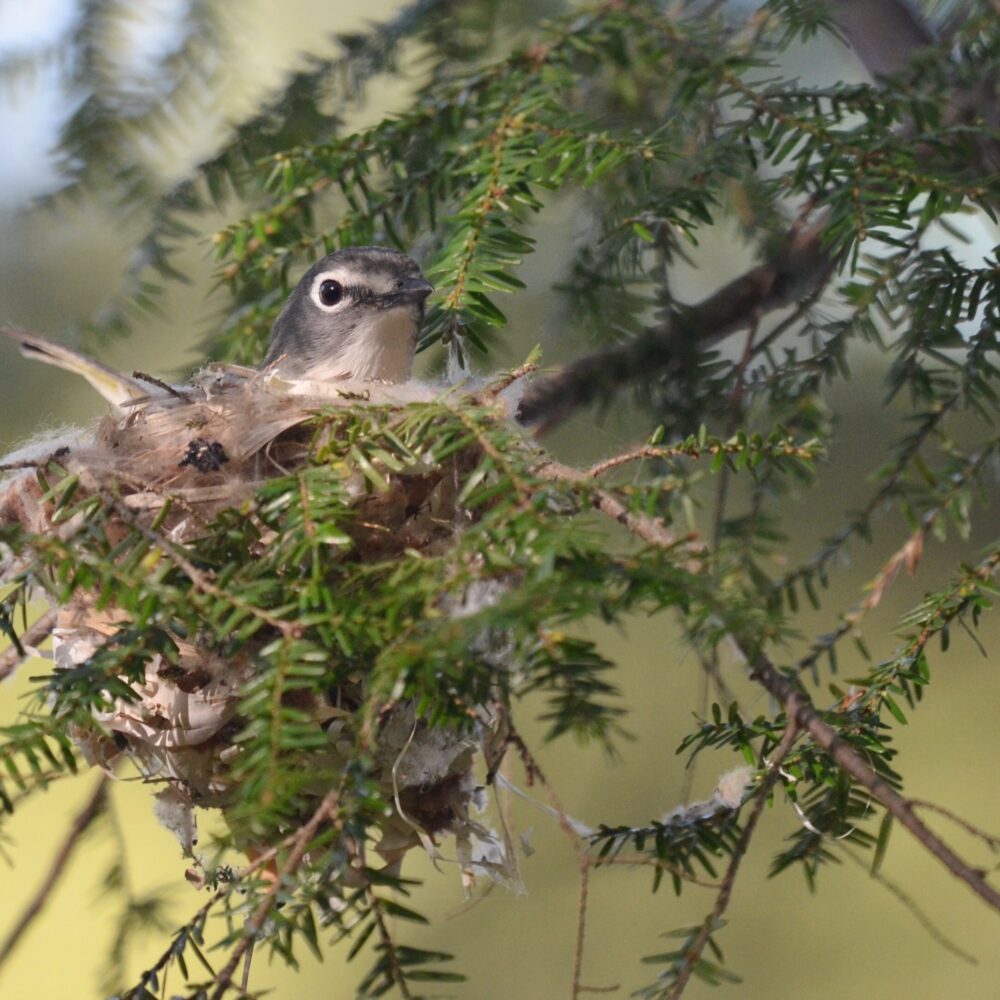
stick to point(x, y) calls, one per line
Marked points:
point(81, 823)
point(908, 903)
point(991, 840)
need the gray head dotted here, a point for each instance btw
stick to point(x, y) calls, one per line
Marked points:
point(354, 315)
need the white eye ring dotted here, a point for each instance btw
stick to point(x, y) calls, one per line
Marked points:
point(327, 292)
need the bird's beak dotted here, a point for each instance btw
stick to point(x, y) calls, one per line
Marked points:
point(411, 290)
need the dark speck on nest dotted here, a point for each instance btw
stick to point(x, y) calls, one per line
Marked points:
point(205, 456)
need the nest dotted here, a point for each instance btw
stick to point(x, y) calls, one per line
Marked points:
point(206, 447)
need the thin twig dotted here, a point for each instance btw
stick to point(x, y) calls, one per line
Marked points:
point(490, 394)
point(799, 707)
point(710, 923)
point(82, 822)
point(35, 633)
point(645, 451)
point(586, 864)
point(908, 555)
point(786, 448)
point(160, 384)
point(797, 314)
point(991, 840)
point(299, 845)
point(908, 903)
point(649, 529)
point(581, 928)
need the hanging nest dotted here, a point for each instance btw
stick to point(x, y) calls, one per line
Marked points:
point(167, 465)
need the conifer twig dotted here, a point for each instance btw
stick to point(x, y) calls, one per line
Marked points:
point(710, 923)
point(650, 529)
point(35, 633)
point(799, 707)
point(299, 845)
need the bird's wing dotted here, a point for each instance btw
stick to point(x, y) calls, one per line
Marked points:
point(116, 388)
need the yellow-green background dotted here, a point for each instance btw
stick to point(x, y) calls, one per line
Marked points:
point(851, 939)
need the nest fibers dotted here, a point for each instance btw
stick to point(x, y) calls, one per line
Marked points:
point(206, 446)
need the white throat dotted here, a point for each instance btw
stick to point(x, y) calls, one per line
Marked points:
point(380, 349)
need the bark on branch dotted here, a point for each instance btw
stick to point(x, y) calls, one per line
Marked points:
point(885, 34)
point(797, 269)
point(800, 709)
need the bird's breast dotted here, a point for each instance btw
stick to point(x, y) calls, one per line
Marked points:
point(380, 347)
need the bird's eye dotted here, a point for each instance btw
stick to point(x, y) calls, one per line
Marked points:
point(330, 292)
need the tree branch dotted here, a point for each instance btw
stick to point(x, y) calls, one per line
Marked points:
point(35, 633)
point(798, 269)
point(884, 34)
point(91, 810)
point(800, 709)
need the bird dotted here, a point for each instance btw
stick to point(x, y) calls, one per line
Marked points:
point(354, 316)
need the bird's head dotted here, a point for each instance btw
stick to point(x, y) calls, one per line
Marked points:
point(354, 315)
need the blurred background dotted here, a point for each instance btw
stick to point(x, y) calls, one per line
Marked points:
point(61, 259)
